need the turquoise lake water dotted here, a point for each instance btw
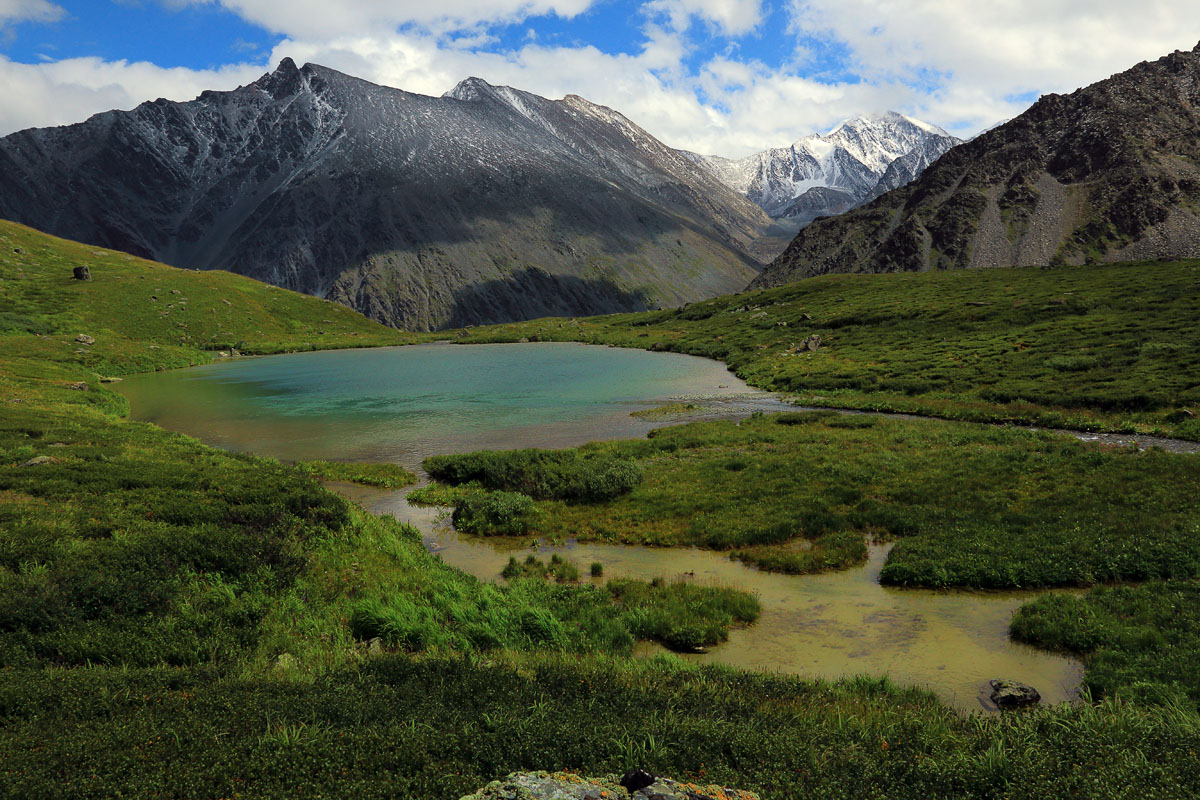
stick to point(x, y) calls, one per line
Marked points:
point(400, 404)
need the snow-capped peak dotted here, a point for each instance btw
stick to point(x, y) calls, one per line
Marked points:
point(845, 163)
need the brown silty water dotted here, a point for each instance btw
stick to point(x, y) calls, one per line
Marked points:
point(829, 626)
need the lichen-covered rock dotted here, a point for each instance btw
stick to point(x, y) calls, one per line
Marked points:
point(569, 786)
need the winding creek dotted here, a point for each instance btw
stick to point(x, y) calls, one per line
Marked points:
point(402, 404)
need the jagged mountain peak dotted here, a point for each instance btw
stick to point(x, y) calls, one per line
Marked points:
point(884, 118)
point(472, 89)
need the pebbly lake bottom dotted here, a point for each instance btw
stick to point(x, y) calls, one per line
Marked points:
point(402, 404)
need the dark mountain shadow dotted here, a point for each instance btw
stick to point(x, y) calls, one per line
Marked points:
point(532, 293)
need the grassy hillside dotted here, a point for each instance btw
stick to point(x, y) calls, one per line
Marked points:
point(146, 316)
point(178, 621)
point(1113, 347)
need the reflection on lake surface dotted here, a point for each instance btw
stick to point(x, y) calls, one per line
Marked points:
point(402, 404)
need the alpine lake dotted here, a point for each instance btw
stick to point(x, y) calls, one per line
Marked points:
point(401, 404)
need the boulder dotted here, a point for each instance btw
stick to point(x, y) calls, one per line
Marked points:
point(1010, 694)
point(809, 345)
point(569, 786)
point(83, 338)
point(78, 386)
point(82, 274)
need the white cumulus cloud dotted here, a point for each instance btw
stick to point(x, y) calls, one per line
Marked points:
point(29, 10)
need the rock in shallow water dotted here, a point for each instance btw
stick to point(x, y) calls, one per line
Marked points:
point(568, 786)
point(1010, 694)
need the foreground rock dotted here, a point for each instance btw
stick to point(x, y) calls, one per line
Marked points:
point(1010, 694)
point(568, 786)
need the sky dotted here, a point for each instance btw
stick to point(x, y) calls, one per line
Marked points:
point(726, 77)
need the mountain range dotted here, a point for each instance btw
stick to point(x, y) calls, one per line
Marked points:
point(824, 175)
point(487, 204)
point(1110, 172)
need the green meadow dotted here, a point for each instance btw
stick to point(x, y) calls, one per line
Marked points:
point(179, 621)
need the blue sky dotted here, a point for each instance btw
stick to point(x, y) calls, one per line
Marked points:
point(721, 76)
point(197, 37)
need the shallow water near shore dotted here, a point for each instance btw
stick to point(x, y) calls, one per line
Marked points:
point(402, 404)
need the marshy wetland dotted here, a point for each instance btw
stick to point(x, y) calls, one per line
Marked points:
point(401, 404)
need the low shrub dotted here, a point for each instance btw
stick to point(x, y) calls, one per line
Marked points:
point(495, 514)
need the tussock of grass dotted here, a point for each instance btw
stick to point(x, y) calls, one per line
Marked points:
point(496, 514)
point(557, 568)
point(668, 410)
point(569, 475)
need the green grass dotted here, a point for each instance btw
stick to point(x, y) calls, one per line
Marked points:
point(970, 505)
point(146, 316)
point(1108, 347)
point(1140, 643)
point(383, 476)
point(440, 727)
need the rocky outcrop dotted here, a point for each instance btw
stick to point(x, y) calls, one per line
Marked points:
point(1107, 173)
point(488, 204)
point(569, 786)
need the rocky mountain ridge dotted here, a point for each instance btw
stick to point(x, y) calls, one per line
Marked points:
point(487, 204)
point(1110, 172)
point(824, 175)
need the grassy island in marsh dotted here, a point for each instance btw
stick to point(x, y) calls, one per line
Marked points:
point(970, 505)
